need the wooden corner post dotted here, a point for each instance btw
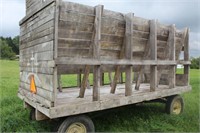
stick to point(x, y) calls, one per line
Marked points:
point(128, 52)
point(55, 73)
point(96, 52)
point(186, 56)
point(172, 70)
point(153, 54)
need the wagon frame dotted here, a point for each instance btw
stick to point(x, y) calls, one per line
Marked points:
point(49, 30)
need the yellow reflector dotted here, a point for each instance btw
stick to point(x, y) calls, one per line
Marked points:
point(32, 85)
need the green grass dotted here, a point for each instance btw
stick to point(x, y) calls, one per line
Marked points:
point(135, 118)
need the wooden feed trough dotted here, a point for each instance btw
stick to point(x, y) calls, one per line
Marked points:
point(63, 38)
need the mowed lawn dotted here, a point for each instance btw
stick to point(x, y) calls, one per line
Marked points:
point(148, 117)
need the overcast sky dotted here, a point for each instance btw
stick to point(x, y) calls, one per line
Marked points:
point(183, 13)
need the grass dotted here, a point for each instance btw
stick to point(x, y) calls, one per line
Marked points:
point(135, 118)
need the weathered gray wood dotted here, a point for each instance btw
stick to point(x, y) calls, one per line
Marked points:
point(96, 51)
point(40, 116)
point(128, 52)
point(73, 106)
point(46, 94)
point(35, 98)
point(153, 54)
point(59, 83)
point(34, 12)
point(172, 71)
point(44, 81)
point(85, 81)
point(186, 57)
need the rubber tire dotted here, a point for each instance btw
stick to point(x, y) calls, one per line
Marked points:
point(32, 114)
point(85, 120)
point(170, 101)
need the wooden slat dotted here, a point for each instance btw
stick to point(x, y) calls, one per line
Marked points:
point(42, 6)
point(84, 81)
point(96, 51)
point(172, 71)
point(40, 91)
point(35, 98)
point(186, 57)
point(44, 80)
point(128, 52)
point(153, 54)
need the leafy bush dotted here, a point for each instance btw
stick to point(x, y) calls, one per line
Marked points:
point(9, 47)
point(195, 62)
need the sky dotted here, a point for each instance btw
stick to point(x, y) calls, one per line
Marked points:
point(182, 13)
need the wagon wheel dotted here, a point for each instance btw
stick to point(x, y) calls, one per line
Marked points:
point(174, 105)
point(77, 124)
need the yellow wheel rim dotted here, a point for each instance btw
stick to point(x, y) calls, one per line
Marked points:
point(76, 128)
point(177, 107)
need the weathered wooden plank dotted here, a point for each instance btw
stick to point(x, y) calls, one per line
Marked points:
point(37, 41)
point(38, 30)
point(42, 56)
point(84, 82)
point(35, 98)
point(186, 57)
point(153, 54)
point(69, 6)
point(46, 46)
point(76, 26)
point(76, 17)
point(41, 70)
point(128, 52)
point(70, 52)
point(42, 6)
point(36, 19)
point(96, 51)
point(38, 33)
point(41, 92)
point(44, 81)
point(172, 71)
point(41, 64)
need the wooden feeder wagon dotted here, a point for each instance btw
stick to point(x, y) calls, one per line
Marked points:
point(138, 56)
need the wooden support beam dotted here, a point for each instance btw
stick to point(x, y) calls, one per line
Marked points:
point(79, 79)
point(153, 54)
point(186, 56)
point(84, 81)
point(172, 49)
point(110, 78)
point(55, 71)
point(59, 83)
point(128, 53)
point(96, 51)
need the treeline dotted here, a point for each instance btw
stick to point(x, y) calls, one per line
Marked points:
point(195, 62)
point(9, 47)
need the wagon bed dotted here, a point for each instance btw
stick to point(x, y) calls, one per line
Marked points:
point(62, 38)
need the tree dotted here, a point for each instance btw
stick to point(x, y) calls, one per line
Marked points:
point(195, 62)
point(5, 50)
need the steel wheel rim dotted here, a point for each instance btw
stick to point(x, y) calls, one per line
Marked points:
point(76, 128)
point(177, 107)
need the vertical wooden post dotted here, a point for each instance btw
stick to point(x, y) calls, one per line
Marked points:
point(84, 82)
point(79, 79)
point(102, 79)
point(186, 56)
point(59, 83)
point(153, 54)
point(55, 71)
point(172, 49)
point(128, 53)
point(96, 52)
